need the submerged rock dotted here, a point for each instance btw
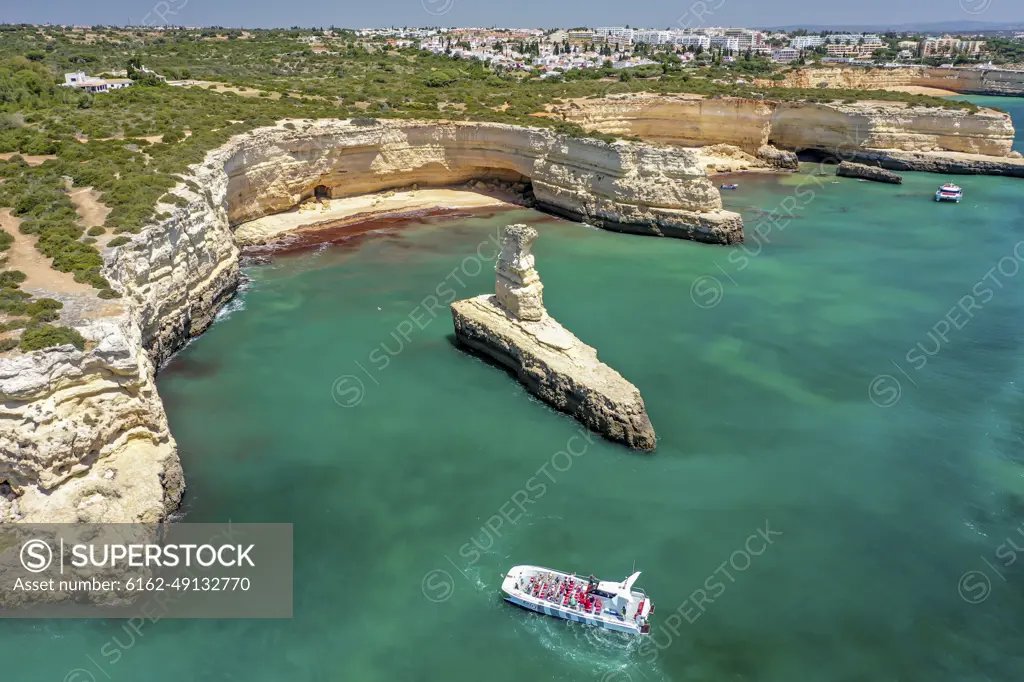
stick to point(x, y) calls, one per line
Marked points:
point(859, 170)
point(513, 328)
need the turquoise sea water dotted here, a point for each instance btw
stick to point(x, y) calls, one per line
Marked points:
point(786, 384)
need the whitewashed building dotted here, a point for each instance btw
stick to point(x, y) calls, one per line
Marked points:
point(80, 81)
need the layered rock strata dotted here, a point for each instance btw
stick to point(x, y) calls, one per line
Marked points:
point(949, 163)
point(620, 186)
point(966, 81)
point(847, 169)
point(513, 328)
point(83, 435)
point(796, 126)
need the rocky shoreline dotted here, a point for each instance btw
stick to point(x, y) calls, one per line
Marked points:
point(513, 328)
point(948, 163)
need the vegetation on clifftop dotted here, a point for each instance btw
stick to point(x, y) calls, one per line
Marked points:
point(134, 145)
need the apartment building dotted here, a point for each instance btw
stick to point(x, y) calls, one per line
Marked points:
point(785, 55)
point(806, 42)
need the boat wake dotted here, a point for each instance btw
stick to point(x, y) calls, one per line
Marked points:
point(604, 654)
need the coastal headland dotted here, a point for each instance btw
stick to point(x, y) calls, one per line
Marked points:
point(894, 135)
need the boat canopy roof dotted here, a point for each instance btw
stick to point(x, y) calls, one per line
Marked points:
point(623, 589)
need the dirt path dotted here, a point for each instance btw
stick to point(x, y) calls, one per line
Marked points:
point(91, 212)
point(80, 300)
point(39, 276)
point(29, 159)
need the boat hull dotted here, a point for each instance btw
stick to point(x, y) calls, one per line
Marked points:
point(574, 616)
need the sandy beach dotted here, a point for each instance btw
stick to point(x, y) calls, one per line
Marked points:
point(333, 213)
point(920, 90)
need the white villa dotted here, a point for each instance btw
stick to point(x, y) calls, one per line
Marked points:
point(79, 80)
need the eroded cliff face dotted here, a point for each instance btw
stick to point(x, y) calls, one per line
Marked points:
point(890, 125)
point(83, 434)
point(685, 120)
point(967, 81)
point(749, 124)
point(845, 78)
point(624, 185)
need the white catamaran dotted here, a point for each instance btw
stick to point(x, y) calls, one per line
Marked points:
point(604, 604)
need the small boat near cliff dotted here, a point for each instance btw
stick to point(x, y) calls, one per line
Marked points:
point(949, 192)
point(730, 185)
point(601, 603)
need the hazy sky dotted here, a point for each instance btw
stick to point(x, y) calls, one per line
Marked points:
point(525, 13)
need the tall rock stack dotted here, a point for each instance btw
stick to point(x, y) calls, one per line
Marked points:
point(518, 285)
point(512, 327)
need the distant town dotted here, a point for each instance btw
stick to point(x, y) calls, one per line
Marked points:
point(552, 52)
point(584, 52)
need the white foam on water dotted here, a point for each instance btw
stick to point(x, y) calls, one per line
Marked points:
point(231, 307)
point(606, 655)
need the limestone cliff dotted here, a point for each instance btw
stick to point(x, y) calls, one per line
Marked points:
point(847, 78)
point(83, 435)
point(513, 328)
point(629, 186)
point(966, 81)
point(797, 126)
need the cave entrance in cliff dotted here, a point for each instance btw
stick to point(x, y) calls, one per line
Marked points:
point(321, 192)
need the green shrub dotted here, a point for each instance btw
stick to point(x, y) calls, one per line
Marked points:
point(11, 278)
point(8, 344)
point(439, 79)
point(6, 239)
point(48, 336)
point(118, 241)
point(41, 304)
point(108, 293)
point(17, 323)
point(45, 316)
point(170, 198)
point(95, 231)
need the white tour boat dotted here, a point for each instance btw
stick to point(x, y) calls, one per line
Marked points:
point(603, 604)
point(949, 192)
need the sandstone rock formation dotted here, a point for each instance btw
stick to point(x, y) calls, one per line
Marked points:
point(837, 129)
point(513, 328)
point(624, 186)
point(968, 81)
point(778, 158)
point(846, 169)
point(727, 158)
point(953, 163)
point(83, 435)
